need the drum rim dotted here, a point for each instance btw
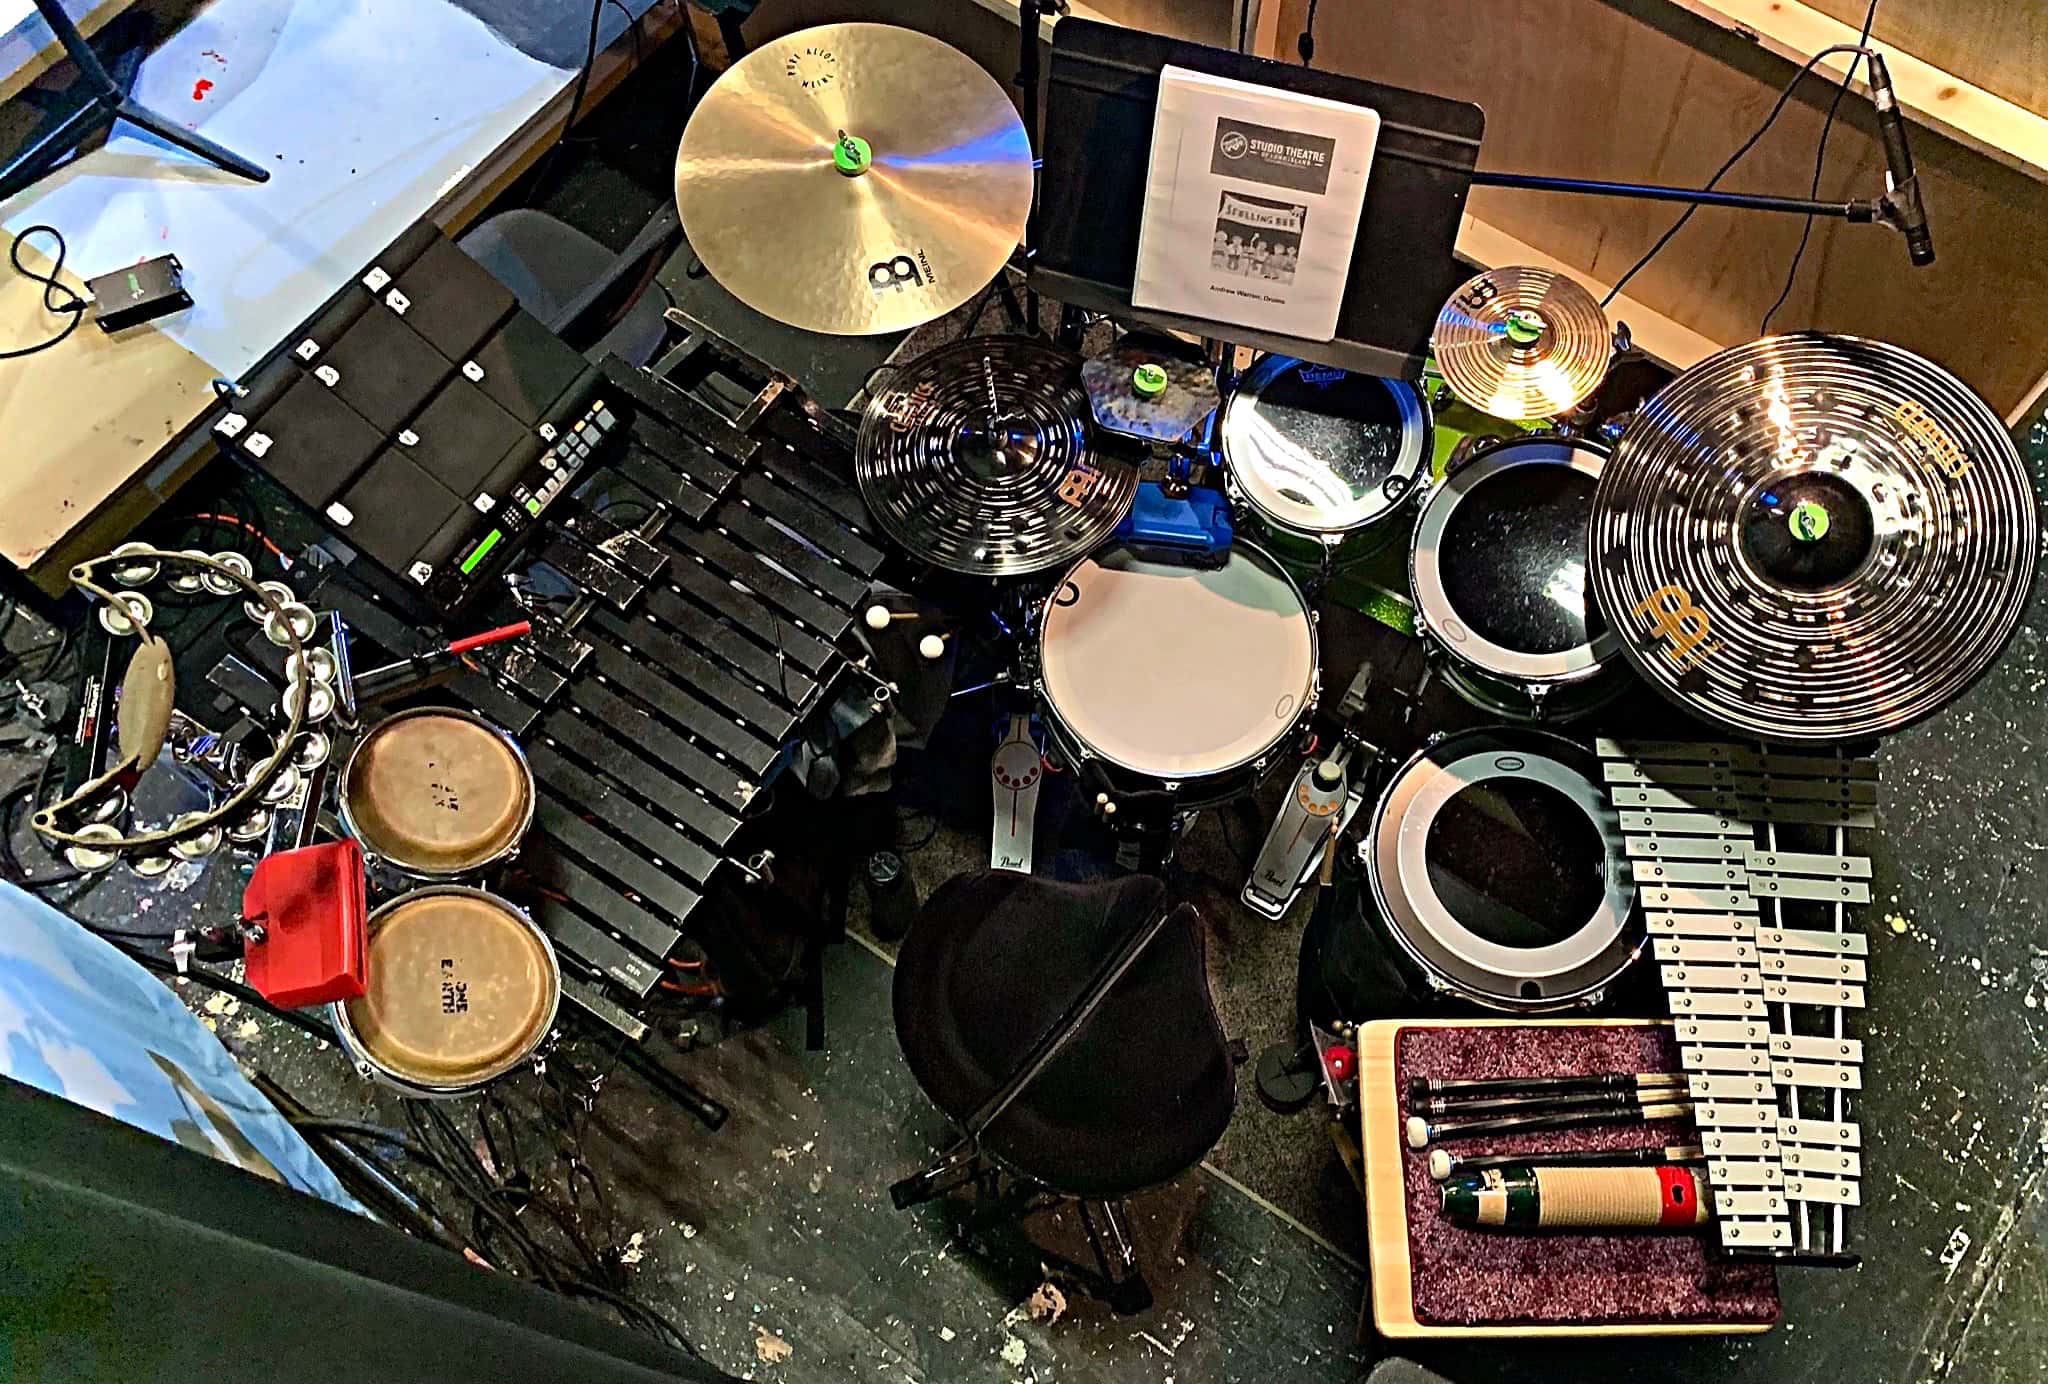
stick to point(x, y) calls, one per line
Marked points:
point(1304, 705)
point(1433, 609)
point(1399, 916)
point(426, 872)
point(359, 1053)
point(1418, 424)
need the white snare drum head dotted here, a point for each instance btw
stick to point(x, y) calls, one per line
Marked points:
point(1173, 671)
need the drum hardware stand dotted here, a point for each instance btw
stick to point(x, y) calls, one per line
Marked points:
point(105, 103)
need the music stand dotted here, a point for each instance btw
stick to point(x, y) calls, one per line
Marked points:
point(1103, 92)
point(105, 102)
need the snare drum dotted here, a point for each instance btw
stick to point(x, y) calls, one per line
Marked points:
point(1495, 866)
point(1321, 453)
point(1498, 571)
point(437, 793)
point(1177, 678)
point(460, 988)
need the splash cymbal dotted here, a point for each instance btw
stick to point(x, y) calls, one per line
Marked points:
point(1814, 538)
point(975, 458)
point(854, 179)
point(1522, 343)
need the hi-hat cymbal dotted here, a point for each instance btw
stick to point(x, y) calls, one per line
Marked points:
point(854, 179)
point(1522, 343)
point(975, 458)
point(1813, 538)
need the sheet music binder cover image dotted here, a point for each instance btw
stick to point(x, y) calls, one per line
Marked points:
point(1252, 203)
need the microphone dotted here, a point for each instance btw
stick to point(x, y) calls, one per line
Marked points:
point(1902, 196)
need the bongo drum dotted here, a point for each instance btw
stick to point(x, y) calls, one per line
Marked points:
point(436, 793)
point(460, 988)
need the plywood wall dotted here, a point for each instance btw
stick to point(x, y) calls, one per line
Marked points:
point(2000, 45)
point(1581, 88)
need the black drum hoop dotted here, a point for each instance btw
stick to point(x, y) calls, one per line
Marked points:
point(1451, 957)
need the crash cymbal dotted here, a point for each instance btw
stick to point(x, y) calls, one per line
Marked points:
point(1813, 538)
point(975, 458)
point(854, 179)
point(1522, 343)
point(1150, 387)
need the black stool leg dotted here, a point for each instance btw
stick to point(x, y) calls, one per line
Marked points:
point(1125, 1287)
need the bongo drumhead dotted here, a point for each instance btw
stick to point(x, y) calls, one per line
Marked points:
point(459, 987)
point(437, 790)
point(1177, 672)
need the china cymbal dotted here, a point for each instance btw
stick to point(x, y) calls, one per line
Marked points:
point(1813, 538)
point(1522, 343)
point(854, 179)
point(1150, 387)
point(975, 458)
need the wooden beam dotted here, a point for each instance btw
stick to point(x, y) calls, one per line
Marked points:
point(1971, 116)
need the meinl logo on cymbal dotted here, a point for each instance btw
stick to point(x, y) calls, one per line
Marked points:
point(812, 68)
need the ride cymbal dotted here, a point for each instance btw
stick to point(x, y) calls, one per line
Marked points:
point(1522, 343)
point(975, 458)
point(854, 179)
point(1813, 538)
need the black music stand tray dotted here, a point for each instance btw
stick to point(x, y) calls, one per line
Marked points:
point(106, 102)
point(1101, 98)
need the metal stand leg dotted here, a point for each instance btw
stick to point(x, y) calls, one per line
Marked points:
point(191, 142)
point(108, 103)
point(1125, 1288)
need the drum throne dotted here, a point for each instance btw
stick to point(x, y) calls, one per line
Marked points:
point(1068, 1032)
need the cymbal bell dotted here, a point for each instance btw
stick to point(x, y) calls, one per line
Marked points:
point(1522, 343)
point(854, 179)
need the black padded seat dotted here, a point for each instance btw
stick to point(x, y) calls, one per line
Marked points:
point(1145, 1088)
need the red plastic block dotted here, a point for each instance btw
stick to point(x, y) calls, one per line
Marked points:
point(310, 905)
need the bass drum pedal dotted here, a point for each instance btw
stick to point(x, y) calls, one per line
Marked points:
point(1016, 769)
point(1320, 803)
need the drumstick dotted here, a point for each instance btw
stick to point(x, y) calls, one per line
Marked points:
point(1423, 1088)
point(1421, 1131)
point(1442, 1163)
point(422, 670)
point(477, 641)
point(1538, 1101)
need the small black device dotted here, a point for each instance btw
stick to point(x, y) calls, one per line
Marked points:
point(1902, 195)
point(140, 293)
